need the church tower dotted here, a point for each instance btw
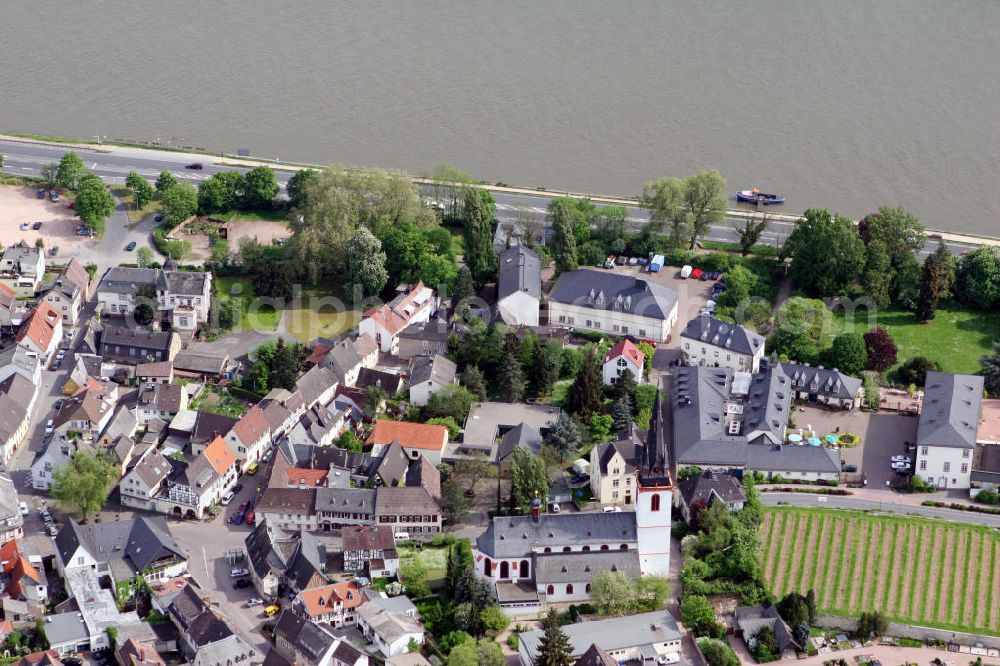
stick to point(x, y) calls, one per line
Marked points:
point(655, 499)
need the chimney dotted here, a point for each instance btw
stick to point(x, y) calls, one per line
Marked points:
point(536, 509)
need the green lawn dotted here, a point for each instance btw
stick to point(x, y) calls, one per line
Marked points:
point(219, 401)
point(956, 339)
point(128, 199)
point(323, 312)
point(916, 571)
point(253, 215)
point(428, 564)
point(264, 318)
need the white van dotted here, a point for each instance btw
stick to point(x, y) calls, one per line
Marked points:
point(686, 272)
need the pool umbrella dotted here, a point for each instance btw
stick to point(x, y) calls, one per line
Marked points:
point(795, 438)
point(831, 439)
point(814, 441)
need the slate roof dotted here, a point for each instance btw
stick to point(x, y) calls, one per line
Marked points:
point(437, 368)
point(160, 397)
point(523, 435)
point(718, 333)
point(119, 280)
point(187, 283)
point(613, 634)
point(389, 382)
point(354, 500)
point(435, 330)
point(314, 383)
point(625, 447)
point(367, 537)
point(72, 279)
point(949, 416)
point(393, 464)
point(701, 487)
point(751, 619)
point(595, 656)
point(200, 363)
point(16, 393)
point(309, 638)
point(343, 358)
point(156, 369)
point(208, 425)
point(582, 567)
point(828, 382)
point(520, 270)
point(405, 501)
point(269, 549)
point(129, 337)
point(516, 536)
point(606, 290)
point(136, 543)
point(287, 500)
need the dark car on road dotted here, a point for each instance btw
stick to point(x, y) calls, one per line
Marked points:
point(850, 469)
point(130, 246)
point(36, 226)
point(240, 583)
point(237, 488)
point(53, 196)
point(40, 193)
point(54, 250)
point(198, 166)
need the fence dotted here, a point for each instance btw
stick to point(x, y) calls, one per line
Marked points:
point(926, 634)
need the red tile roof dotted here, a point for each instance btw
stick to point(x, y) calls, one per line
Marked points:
point(252, 426)
point(394, 316)
point(627, 349)
point(300, 476)
point(321, 600)
point(410, 435)
point(219, 455)
point(318, 354)
point(40, 325)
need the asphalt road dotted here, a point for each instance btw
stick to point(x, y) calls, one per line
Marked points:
point(28, 159)
point(838, 502)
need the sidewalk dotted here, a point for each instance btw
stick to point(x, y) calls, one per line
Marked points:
point(878, 495)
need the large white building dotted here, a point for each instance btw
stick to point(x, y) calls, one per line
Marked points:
point(717, 343)
point(412, 305)
point(519, 286)
point(612, 303)
point(946, 434)
point(181, 297)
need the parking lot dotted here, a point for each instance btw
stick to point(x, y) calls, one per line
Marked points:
point(20, 205)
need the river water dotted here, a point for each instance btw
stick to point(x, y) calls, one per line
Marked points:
point(836, 103)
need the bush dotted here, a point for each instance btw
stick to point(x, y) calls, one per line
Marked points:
point(718, 653)
point(848, 440)
point(988, 497)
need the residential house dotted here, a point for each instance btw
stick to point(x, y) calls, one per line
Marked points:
point(613, 467)
point(159, 401)
point(282, 409)
point(519, 286)
point(613, 303)
point(429, 375)
point(17, 402)
point(338, 507)
point(596, 656)
point(522, 436)
point(146, 480)
point(41, 331)
point(270, 551)
point(208, 426)
point(985, 470)
point(250, 437)
point(345, 361)
point(66, 633)
point(157, 372)
point(12, 311)
point(701, 490)
point(129, 345)
point(45, 658)
point(623, 358)
point(205, 638)
point(390, 382)
point(488, 422)
point(307, 643)
point(190, 364)
point(22, 267)
point(88, 411)
point(11, 520)
point(17, 359)
point(412, 305)
point(181, 297)
point(751, 619)
point(69, 292)
point(334, 604)
point(426, 339)
point(417, 439)
point(56, 454)
point(947, 429)
point(712, 342)
point(390, 624)
point(725, 420)
point(370, 550)
point(414, 509)
point(134, 653)
point(408, 659)
point(19, 578)
point(642, 638)
point(828, 387)
point(317, 386)
point(193, 487)
point(289, 508)
point(319, 426)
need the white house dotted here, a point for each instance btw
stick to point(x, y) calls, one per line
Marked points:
point(946, 432)
point(646, 638)
point(417, 439)
point(17, 400)
point(411, 305)
point(181, 297)
point(18, 359)
point(22, 267)
point(717, 343)
point(519, 286)
point(612, 303)
point(390, 624)
point(41, 332)
point(623, 357)
point(70, 290)
point(55, 455)
point(428, 375)
point(249, 437)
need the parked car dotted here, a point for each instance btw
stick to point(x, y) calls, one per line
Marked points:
point(272, 610)
point(609, 262)
point(40, 193)
point(938, 236)
point(580, 478)
point(24, 508)
point(643, 261)
point(704, 277)
point(227, 498)
point(36, 226)
point(905, 459)
point(236, 572)
point(54, 250)
point(52, 529)
point(25, 226)
point(46, 516)
point(237, 488)
point(197, 166)
point(130, 246)
point(901, 466)
point(71, 661)
point(240, 583)
point(53, 195)
point(633, 261)
point(254, 601)
point(249, 518)
point(850, 468)
point(714, 275)
point(612, 509)
point(50, 427)
point(57, 405)
point(556, 508)
point(252, 469)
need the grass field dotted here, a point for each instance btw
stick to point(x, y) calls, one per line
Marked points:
point(923, 572)
point(128, 199)
point(428, 564)
point(956, 339)
point(264, 319)
point(323, 312)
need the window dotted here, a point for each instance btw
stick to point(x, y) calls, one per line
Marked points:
point(654, 504)
point(588, 588)
point(567, 549)
point(923, 464)
point(624, 329)
point(614, 495)
point(588, 322)
point(614, 327)
point(585, 549)
point(550, 590)
point(965, 468)
point(923, 450)
point(687, 345)
point(562, 319)
point(947, 467)
point(624, 546)
point(642, 331)
point(614, 484)
point(965, 453)
point(604, 546)
point(569, 588)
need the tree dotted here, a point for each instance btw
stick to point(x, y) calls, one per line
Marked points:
point(881, 349)
point(144, 257)
point(528, 479)
point(977, 278)
point(165, 181)
point(479, 254)
point(468, 472)
point(510, 382)
point(563, 238)
point(1, 160)
point(93, 203)
point(70, 171)
point(794, 609)
point(827, 253)
point(474, 382)
point(915, 370)
point(741, 283)
point(585, 394)
point(259, 188)
point(564, 435)
point(454, 504)
point(179, 203)
point(470, 653)
point(877, 276)
point(296, 186)
point(142, 191)
point(704, 203)
point(350, 441)
point(366, 263)
point(452, 401)
point(811, 605)
point(554, 647)
point(765, 645)
point(937, 280)
point(84, 482)
point(221, 192)
point(849, 353)
point(543, 367)
point(143, 314)
point(436, 271)
point(897, 229)
point(749, 234)
point(718, 653)
point(621, 415)
point(613, 593)
point(664, 199)
point(448, 422)
point(871, 624)
point(287, 365)
point(463, 290)
point(652, 591)
point(50, 172)
point(990, 370)
point(698, 615)
point(373, 402)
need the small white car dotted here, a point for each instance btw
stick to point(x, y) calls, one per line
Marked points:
point(53, 531)
point(901, 466)
point(50, 427)
point(905, 459)
point(254, 601)
point(556, 508)
point(24, 508)
point(671, 658)
point(612, 509)
point(239, 571)
point(227, 498)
